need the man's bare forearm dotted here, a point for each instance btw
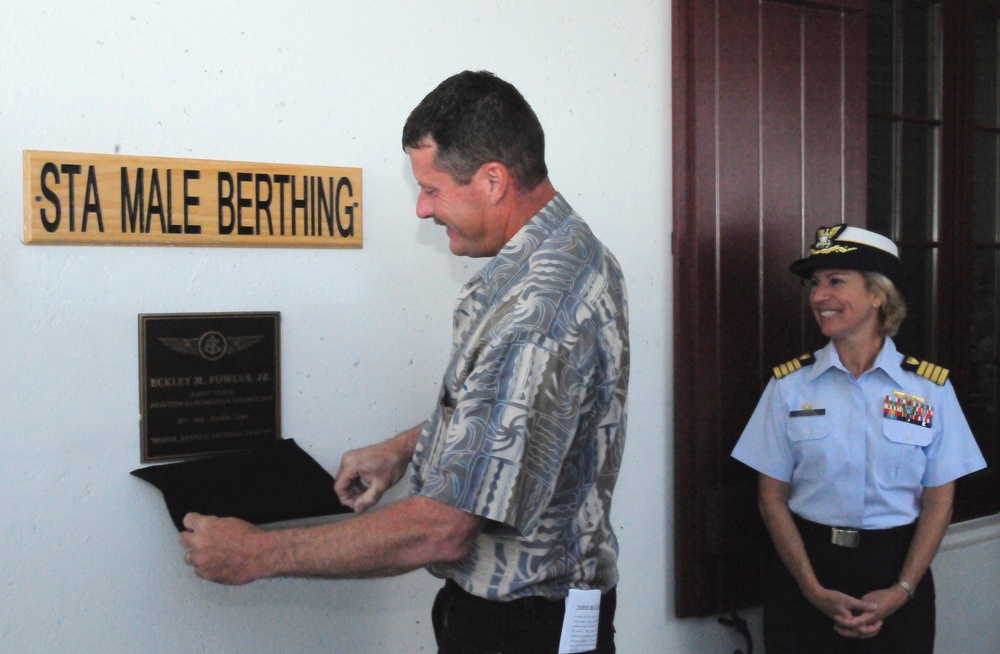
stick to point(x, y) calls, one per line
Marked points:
point(399, 538)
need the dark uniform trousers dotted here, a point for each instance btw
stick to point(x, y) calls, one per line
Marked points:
point(794, 626)
point(466, 624)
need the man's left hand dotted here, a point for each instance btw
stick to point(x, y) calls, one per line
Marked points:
point(222, 550)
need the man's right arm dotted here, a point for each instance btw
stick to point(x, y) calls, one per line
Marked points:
point(404, 536)
point(367, 473)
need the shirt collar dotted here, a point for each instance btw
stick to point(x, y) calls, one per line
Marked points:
point(888, 360)
point(516, 252)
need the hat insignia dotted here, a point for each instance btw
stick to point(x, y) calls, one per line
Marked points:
point(825, 241)
point(824, 238)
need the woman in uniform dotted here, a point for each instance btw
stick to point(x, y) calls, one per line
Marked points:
point(858, 448)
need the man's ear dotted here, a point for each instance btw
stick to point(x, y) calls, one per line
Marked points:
point(496, 179)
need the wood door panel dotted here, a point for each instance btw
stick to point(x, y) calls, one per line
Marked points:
point(766, 149)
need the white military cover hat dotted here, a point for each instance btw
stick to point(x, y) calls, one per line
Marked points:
point(850, 248)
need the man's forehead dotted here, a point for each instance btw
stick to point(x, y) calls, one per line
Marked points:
point(423, 160)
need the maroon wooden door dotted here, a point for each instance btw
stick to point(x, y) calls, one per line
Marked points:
point(769, 144)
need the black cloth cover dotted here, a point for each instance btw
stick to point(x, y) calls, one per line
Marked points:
point(279, 481)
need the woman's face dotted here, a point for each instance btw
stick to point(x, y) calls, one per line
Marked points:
point(843, 307)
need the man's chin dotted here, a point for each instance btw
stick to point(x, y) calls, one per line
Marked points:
point(460, 247)
point(462, 250)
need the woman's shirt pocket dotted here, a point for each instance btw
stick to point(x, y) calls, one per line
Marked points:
point(904, 457)
point(811, 448)
point(808, 428)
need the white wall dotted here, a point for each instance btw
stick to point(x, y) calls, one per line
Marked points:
point(89, 560)
point(966, 578)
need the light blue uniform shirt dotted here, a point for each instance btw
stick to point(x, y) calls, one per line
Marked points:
point(834, 439)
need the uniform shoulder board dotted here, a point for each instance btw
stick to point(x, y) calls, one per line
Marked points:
point(789, 367)
point(926, 369)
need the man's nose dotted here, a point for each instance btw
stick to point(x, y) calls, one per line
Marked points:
point(424, 209)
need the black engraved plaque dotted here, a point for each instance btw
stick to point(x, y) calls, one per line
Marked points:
point(208, 383)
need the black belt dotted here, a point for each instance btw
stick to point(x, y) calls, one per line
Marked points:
point(852, 538)
point(533, 606)
point(531, 623)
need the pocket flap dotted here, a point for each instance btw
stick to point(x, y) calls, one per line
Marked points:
point(905, 433)
point(808, 428)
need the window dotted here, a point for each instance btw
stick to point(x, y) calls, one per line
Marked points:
point(904, 145)
point(934, 187)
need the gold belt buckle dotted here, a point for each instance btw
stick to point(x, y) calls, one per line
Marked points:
point(845, 537)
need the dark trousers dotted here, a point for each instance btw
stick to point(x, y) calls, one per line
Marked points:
point(794, 626)
point(466, 624)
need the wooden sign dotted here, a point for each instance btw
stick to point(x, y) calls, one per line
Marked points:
point(101, 199)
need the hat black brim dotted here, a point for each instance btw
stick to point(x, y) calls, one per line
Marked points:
point(861, 258)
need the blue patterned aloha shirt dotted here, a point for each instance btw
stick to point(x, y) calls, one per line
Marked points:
point(529, 426)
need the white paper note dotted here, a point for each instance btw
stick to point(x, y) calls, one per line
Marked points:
point(579, 630)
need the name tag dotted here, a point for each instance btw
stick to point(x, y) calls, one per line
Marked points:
point(579, 630)
point(802, 413)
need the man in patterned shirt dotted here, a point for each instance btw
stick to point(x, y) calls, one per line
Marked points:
point(511, 477)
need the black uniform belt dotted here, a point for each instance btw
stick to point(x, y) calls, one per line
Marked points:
point(849, 537)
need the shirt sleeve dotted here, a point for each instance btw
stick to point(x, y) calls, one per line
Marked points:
point(955, 452)
point(764, 444)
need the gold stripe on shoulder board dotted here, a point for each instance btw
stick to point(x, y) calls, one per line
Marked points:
point(927, 370)
point(789, 367)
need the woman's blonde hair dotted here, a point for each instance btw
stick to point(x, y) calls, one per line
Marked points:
point(892, 310)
